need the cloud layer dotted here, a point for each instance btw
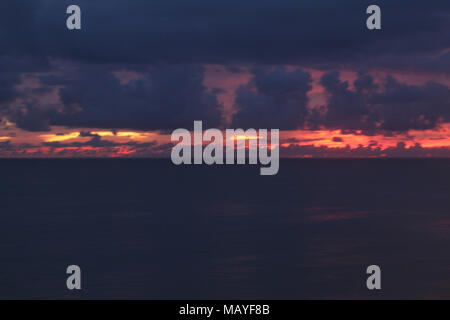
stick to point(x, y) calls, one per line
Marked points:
point(142, 65)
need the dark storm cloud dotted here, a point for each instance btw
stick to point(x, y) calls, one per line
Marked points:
point(162, 97)
point(277, 98)
point(30, 119)
point(167, 97)
point(11, 68)
point(389, 107)
point(400, 107)
point(166, 40)
point(321, 32)
point(346, 108)
point(274, 98)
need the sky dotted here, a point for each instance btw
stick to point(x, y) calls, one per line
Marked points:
point(137, 70)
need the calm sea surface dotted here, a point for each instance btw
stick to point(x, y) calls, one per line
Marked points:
point(150, 230)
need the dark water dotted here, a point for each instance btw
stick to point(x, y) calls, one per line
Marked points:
point(149, 229)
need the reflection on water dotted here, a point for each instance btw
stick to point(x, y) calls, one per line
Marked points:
point(148, 229)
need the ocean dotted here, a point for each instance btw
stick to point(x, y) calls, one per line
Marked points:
point(147, 229)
